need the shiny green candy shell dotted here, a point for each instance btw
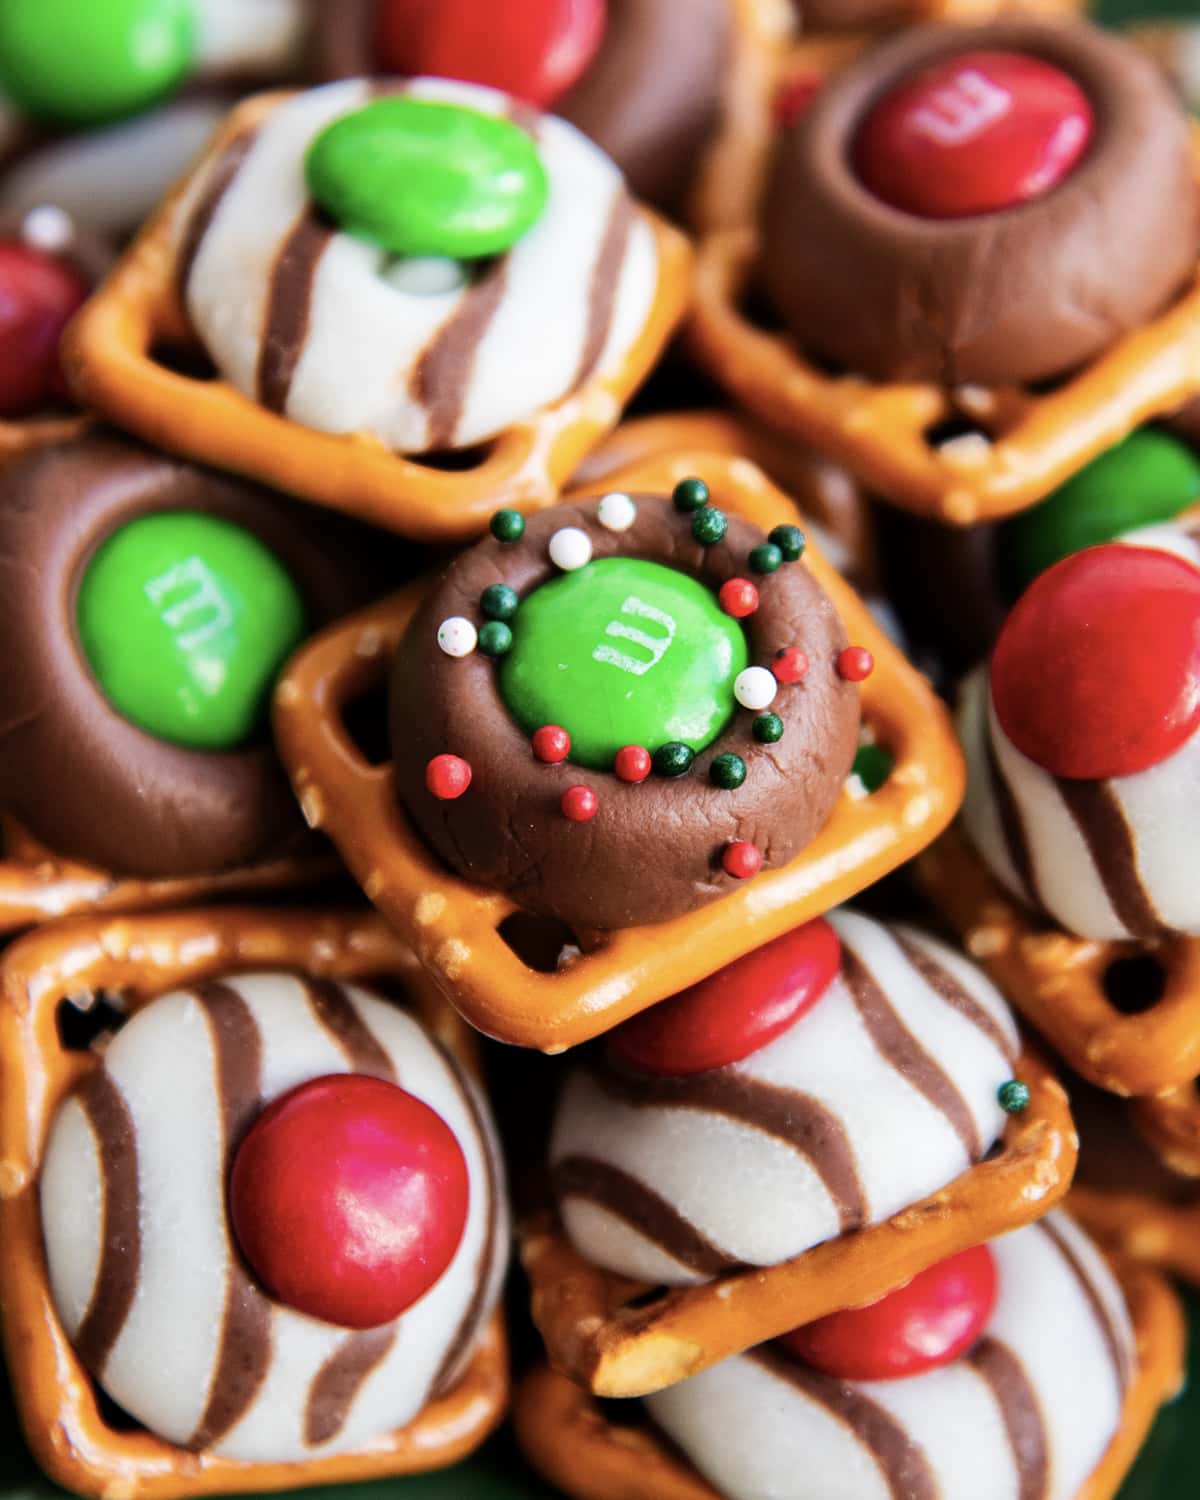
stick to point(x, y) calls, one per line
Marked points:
point(85, 62)
point(1150, 477)
point(422, 177)
point(623, 652)
point(185, 620)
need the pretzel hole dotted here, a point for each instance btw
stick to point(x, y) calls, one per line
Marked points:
point(649, 1298)
point(543, 944)
point(454, 460)
point(83, 1020)
point(957, 430)
point(186, 360)
point(114, 1417)
point(365, 720)
point(1135, 984)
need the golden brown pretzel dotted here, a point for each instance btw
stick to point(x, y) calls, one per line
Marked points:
point(108, 354)
point(37, 885)
point(1143, 1228)
point(142, 957)
point(567, 1438)
point(1056, 980)
point(601, 1331)
point(454, 926)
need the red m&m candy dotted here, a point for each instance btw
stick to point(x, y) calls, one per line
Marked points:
point(928, 1323)
point(536, 49)
point(38, 297)
point(1097, 670)
point(973, 134)
point(735, 1012)
point(349, 1199)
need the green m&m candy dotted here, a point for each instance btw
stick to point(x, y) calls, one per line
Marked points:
point(85, 62)
point(623, 652)
point(1147, 478)
point(421, 177)
point(185, 621)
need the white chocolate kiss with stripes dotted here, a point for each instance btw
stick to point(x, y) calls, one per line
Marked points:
point(879, 1095)
point(143, 1271)
point(1026, 1414)
point(303, 319)
point(110, 177)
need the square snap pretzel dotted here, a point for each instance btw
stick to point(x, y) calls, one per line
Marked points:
point(576, 1446)
point(619, 1338)
point(37, 885)
point(142, 957)
point(454, 927)
point(1056, 980)
point(1169, 1123)
point(109, 357)
point(1143, 1228)
point(1027, 443)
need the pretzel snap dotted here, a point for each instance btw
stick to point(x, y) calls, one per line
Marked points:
point(460, 931)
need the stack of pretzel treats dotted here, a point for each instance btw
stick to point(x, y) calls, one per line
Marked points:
point(601, 607)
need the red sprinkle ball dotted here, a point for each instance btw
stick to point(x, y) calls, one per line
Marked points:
point(855, 664)
point(580, 804)
point(633, 763)
point(790, 664)
point(551, 744)
point(794, 98)
point(447, 777)
point(741, 859)
point(738, 597)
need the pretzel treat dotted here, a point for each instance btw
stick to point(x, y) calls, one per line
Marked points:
point(621, 1337)
point(288, 1374)
point(147, 608)
point(941, 424)
point(1169, 1123)
point(768, 1412)
point(401, 308)
point(591, 980)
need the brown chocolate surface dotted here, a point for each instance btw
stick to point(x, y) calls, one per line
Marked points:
point(1185, 424)
point(1020, 295)
point(833, 15)
point(653, 850)
point(79, 776)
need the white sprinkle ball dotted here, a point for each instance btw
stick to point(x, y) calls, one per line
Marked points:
point(616, 512)
point(570, 549)
point(755, 688)
point(48, 227)
point(457, 636)
point(426, 275)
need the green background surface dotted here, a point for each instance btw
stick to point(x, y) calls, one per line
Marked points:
point(1168, 1469)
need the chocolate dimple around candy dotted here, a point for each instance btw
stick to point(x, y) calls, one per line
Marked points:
point(653, 849)
point(83, 779)
point(1023, 294)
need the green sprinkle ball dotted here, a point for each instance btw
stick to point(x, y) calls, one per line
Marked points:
point(1013, 1096)
point(767, 558)
point(499, 602)
point(790, 540)
point(872, 765)
point(690, 495)
point(709, 526)
point(728, 772)
point(508, 525)
point(673, 759)
point(495, 638)
point(768, 729)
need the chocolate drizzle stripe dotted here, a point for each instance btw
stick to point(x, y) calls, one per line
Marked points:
point(244, 1350)
point(120, 1224)
point(797, 1119)
point(339, 1380)
point(1117, 1349)
point(901, 1460)
point(623, 1196)
point(441, 376)
point(898, 1045)
point(1097, 813)
point(205, 211)
point(336, 1012)
point(606, 277)
point(1012, 826)
point(341, 38)
point(1020, 1412)
point(947, 988)
point(467, 1329)
point(289, 304)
